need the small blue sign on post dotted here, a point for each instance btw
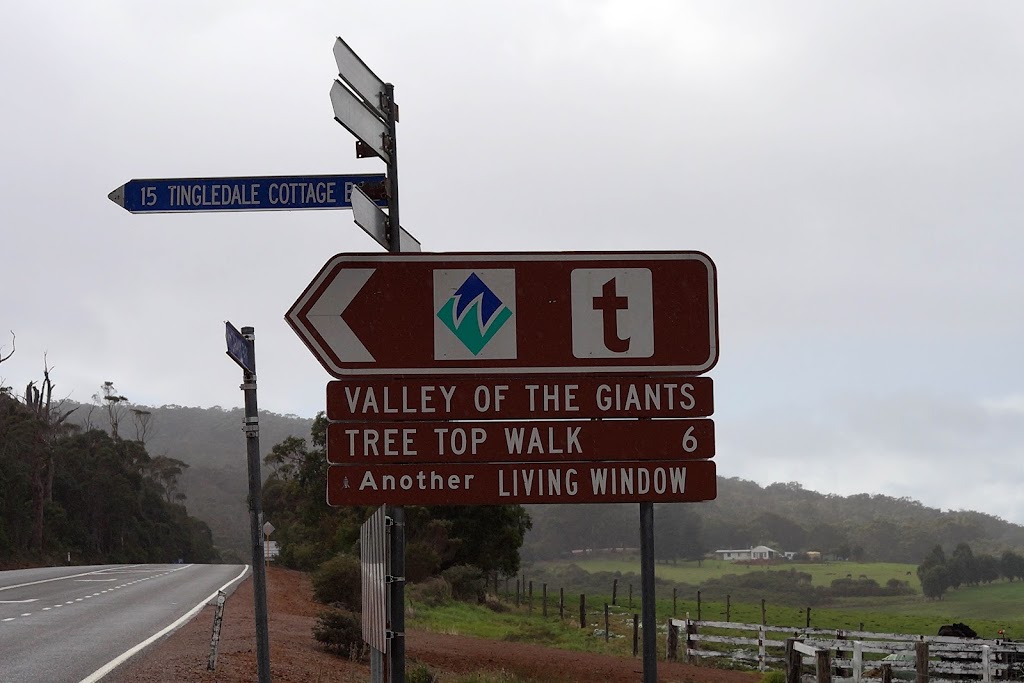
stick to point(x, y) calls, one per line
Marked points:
point(240, 349)
point(256, 193)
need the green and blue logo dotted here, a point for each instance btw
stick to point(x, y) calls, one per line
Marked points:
point(474, 314)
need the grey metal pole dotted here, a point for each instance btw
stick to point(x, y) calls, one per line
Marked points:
point(394, 240)
point(259, 575)
point(396, 648)
point(647, 601)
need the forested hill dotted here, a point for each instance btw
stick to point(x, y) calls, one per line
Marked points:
point(210, 441)
point(783, 516)
point(86, 496)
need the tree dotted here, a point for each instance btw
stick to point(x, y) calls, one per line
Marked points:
point(166, 472)
point(988, 567)
point(1011, 565)
point(143, 420)
point(962, 567)
point(935, 581)
point(678, 533)
point(116, 405)
point(3, 389)
point(51, 422)
point(936, 557)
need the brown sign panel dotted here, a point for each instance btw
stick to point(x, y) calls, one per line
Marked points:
point(511, 313)
point(505, 484)
point(351, 443)
point(502, 397)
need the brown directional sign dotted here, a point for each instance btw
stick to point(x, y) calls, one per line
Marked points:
point(352, 443)
point(506, 484)
point(511, 313)
point(490, 397)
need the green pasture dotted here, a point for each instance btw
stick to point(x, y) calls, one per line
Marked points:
point(822, 573)
point(986, 608)
point(519, 624)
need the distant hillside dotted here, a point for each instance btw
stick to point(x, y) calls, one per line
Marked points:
point(783, 516)
point(211, 442)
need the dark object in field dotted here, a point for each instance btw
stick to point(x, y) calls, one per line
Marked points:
point(957, 630)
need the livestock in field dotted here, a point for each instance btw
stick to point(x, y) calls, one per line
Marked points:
point(957, 630)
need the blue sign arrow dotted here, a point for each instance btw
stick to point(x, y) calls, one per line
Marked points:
point(240, 349)
point(259, 193)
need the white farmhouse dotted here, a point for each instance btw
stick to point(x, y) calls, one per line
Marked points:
point(761, 552)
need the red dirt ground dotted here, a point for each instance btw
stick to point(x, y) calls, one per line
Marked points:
point(296, 657)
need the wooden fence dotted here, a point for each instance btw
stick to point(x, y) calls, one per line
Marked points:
point(848, 655)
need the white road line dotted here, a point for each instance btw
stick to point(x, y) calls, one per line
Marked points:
point(93, 580)
point(17, 602)
point(58, 578)
point(124, 656)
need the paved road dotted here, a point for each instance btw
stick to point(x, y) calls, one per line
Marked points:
point(63, 624)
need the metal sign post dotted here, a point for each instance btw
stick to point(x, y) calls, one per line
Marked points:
point(246, 359)
point(365, 105)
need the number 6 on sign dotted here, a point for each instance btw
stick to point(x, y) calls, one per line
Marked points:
point(689, 441)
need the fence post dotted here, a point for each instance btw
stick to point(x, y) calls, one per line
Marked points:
point(886, 672)
point(606, 622)
point(764, 619)
point(858, 660)
point(823, 666)
point(583, 610)
point(698, 605)
point(630, 596)
point(673, 602)
point(808, 617)
point(761, 653)
point(636, 634)
point(517, 591)
point(794, 662)
point(615, 589)
point(691, 631)
point(218, 619)
point(921, 661)
point(728, 607)
point(544, 596)
point(986, 664)
point(561, 604)
point(530, 599)
point(672, 642)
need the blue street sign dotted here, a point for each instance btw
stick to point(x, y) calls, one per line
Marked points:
point(260, 193)
point(240, 349)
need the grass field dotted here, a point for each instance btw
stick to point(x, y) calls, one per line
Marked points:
point(986, 608)
point(822, 574)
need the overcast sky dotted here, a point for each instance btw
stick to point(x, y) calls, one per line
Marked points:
point(853, 169)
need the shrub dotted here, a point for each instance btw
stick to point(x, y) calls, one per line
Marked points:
point(338, 580)
point(421, 562)
point(340, 632)
point(467, 582)
point(433, 592)
point(301, 556)
point(420, 674)
point(774, 677)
